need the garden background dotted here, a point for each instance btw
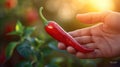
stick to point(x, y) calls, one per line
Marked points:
point(24, 42)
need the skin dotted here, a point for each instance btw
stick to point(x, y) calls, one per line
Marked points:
point(103, 37)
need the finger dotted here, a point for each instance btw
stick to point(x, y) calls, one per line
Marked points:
point(93, 17)
point(84, 39)
point(91, 45)
point(61, 46)
point(81, 32)
point(71, 50)
point(96, 54)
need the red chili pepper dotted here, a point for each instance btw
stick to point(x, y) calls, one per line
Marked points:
point(31, 16)
point(10, 4)
point(57, 32)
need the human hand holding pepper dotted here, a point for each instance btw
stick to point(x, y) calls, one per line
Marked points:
point(103, 37)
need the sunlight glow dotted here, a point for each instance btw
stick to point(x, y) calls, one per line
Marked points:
point(67, 9)
point(101, 5)
point(65, 12)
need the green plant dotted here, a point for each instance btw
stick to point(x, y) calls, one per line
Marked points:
point(24, 43)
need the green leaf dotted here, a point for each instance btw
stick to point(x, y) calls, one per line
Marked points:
point(40, 59)
point(13, 33)
point(57, 60)
point(31, 40)
point(39, 42)
point(46, 51)
point(53, 45)
point(19, 27)
point(25, 49)
point(24, 64)
point(39, 56)
point(10, 48)
point(39, 64)
point(52, 65)
point(28, 31)
point(88, 63)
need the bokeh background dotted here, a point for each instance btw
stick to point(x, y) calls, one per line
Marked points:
point(30, 46)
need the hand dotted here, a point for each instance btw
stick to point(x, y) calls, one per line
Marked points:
point(103, 37)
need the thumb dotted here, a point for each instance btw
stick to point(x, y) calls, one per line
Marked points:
point(92, 17)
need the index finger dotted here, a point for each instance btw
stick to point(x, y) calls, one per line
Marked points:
point(93, 17)
point(81, 32)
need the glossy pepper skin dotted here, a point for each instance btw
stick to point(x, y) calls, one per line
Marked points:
point(57, 32)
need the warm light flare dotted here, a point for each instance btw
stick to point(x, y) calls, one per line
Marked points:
point(65, 12)
point(67, 9)
point(101, 5)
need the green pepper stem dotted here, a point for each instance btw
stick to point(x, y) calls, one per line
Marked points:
point(44, 20)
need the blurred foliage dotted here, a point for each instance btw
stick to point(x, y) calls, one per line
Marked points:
point(24, 43)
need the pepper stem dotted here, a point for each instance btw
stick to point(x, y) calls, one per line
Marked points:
point(44, 20)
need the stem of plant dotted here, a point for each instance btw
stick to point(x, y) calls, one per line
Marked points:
point(43, 18)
